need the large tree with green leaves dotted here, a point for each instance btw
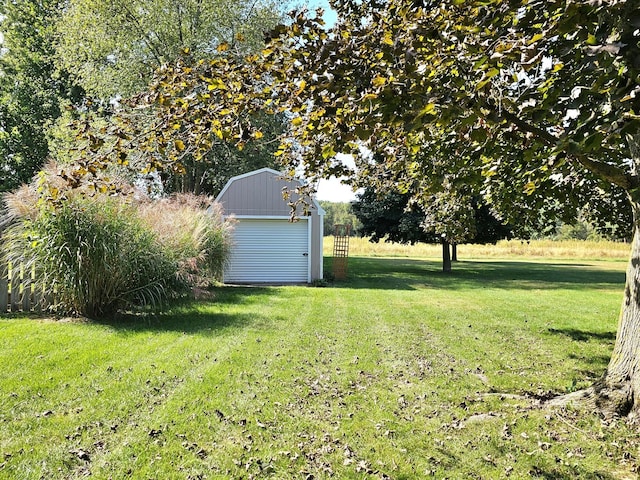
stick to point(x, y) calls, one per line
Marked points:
point(395, 217)
point(536, 103)
point(115, 47)
point(32, 88)
point(539, 101)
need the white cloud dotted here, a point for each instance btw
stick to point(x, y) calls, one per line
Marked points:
point(333, 191)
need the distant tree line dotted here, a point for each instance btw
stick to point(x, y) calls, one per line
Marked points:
point(339, 213)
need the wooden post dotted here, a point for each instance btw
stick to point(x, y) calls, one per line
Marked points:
point(4, 287)
point(37, 301)
point(14, 277)
point(39, 298)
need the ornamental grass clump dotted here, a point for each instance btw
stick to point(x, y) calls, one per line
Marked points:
point(192, 228)
point(94, 255)
point(97, 254)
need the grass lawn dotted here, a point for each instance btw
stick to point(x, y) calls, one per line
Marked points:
point(400, 372)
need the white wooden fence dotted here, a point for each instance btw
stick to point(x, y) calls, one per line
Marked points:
point(18, 292)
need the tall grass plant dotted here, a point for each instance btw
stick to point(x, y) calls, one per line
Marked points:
point(192, 229)
point(94, 255)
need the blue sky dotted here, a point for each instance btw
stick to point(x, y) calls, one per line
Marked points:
point(329, 15)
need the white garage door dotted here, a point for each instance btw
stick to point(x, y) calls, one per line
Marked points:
point(269, 251)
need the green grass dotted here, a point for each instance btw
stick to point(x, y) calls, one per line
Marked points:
point(400, 372)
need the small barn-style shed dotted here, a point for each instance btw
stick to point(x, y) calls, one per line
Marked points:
point(268, 247)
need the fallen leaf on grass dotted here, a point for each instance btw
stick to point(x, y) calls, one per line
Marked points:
point(364, 467)
point(80, 454)
point(202, 453)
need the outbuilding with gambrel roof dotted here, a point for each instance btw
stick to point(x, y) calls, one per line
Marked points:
point(268, 247)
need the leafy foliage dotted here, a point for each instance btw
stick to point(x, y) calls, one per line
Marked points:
point(484, 94)
point(114, 47)
point(393, 217)
point(32, 88)
point(389, 217)
point(209, 174)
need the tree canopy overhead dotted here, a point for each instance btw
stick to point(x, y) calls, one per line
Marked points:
point(542, 93)
point(518, 90)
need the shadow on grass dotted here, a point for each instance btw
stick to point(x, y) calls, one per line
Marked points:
point(378, 274)
point(577, 472)
point(207, 316)
point(597, 365)
point(409, 274)
point(584, 336)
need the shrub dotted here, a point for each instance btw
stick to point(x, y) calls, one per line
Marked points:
point(93, 254)
point(97, 254)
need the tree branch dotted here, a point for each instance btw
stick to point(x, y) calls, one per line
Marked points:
point(604, 170)
point(144, 34)
point(544, 135)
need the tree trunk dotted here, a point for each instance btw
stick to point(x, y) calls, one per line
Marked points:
point(620, 385)
point(617, 393)
point(454, 252)
point(446, 257)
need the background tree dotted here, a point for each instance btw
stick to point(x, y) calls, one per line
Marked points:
point(32, 88)
point(115, 47)
point(394, 217)
point(390, 217)
point(339, 213)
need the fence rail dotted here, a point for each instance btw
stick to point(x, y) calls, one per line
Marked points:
point(18, 292)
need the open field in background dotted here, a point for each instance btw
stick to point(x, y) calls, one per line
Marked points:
point(399, 372)
point(503, 249)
